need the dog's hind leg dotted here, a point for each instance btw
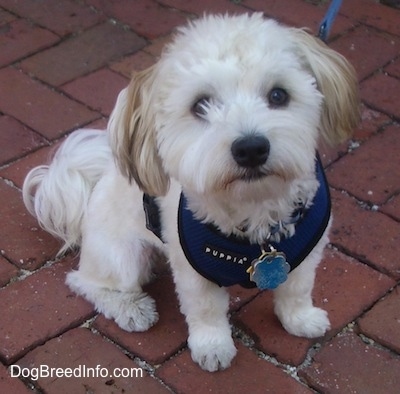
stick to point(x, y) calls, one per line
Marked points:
point(293, 299)
point(116, 256)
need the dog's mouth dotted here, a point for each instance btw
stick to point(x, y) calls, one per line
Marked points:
point(249, 176)
point(252, 175)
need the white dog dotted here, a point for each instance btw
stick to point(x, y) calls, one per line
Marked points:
point(223, 131)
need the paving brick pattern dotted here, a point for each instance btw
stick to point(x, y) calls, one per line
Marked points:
point(62, 64)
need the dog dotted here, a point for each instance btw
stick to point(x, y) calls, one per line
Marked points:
point(219, 136)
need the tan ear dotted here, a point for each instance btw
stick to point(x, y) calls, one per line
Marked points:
point(337, 81)
point(133, 139)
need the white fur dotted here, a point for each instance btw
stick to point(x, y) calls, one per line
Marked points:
point(160, 146)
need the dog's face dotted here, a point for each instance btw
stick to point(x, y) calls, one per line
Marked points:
point(235, 104)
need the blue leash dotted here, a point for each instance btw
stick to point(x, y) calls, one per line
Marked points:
point(327, 22)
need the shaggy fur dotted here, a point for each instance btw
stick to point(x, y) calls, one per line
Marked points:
point(221, 79)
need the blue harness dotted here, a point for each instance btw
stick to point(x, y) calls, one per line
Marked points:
point(225, 260)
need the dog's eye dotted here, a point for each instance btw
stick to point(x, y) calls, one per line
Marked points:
point(200, 107)
point(278, 97)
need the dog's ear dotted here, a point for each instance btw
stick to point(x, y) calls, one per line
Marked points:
point(337, 81)
point(132, 132)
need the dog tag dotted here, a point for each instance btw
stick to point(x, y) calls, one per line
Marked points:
point(269, 270)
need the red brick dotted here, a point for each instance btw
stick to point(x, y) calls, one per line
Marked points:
point(341, 279)
point(156, 47)
point(83, 53)
point(385, 100)
point(374, 14)
point(9, 384)
point(146, 17)
point(62, 17)
point(258, 320)
point(21, 239)
point(298, 13)
point(393, 68)
point(7, 271)
point(338, 279)
point(136, 62)
point(368, 235)
point(99, 124)
point(17, 171)
point(240, 296)
point(98, 90)
point(39, 107)
point(392, 207)
point(367, 172)
point(38, 308)
point(347, 365)
point(80, 348)
point(248, 373)
point(206, 6)
point(371, 122)
point(382, 322)
point(163, 339)
point(381, 49)
point(16, 140)
point(5, 18)
point(20, 39)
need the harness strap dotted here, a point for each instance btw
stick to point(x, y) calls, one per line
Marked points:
point(224, 260)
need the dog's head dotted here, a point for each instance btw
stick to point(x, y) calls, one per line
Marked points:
point(233, 103)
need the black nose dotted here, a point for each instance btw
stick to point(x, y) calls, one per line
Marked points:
point(250, 151)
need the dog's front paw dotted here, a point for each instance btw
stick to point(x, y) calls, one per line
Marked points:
point(133, 311)
point(309, 322)
point(211, 349)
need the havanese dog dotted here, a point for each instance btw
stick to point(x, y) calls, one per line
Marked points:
point(210, 156)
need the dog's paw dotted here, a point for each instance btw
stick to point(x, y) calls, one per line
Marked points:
point(213, 351)
point(133, 311)
point(310, 322)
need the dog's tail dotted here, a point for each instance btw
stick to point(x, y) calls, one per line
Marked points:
point(58, 194)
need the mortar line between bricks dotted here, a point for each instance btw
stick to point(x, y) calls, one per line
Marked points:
point(23, 273)
point(317, 347)
point(362, 260)
point(366, 205)
point(377, 29)
point(375, 344)
point(246, 340)
point(50, 143)
point(149, 368)
point(394, 118)
point(32, 23)
point(58, 89)
point(351, 327)
point(371, 207)
point(16, 64)
point(69, 36)
point(14, 160)
point(354, 144)
point(30, 385)
point(38, 343)
point(380, 70)
point(368, 309)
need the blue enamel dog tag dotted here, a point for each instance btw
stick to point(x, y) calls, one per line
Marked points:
point(269, 270)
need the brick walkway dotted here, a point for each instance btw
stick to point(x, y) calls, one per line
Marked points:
point(62, 63)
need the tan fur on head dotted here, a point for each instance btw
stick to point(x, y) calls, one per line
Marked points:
point(132, 133)
point(337, 81)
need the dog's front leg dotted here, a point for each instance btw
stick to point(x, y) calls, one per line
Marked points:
point(205, 306)
point(293, 299)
